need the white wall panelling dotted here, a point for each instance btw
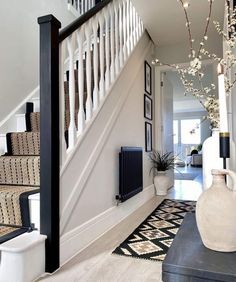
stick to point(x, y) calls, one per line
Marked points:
point(80, 237)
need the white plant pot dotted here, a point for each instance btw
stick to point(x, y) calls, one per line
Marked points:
point(211, 157)
point(161, 183)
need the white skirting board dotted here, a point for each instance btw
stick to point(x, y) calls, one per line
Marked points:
point(79, 238)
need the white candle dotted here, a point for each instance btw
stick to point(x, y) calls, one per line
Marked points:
point(222, 100)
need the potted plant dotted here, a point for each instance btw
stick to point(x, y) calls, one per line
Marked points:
point(161, 164)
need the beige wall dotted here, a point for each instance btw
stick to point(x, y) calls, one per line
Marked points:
point(19, 52)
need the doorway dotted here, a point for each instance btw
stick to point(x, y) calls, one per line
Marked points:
point(190, 129)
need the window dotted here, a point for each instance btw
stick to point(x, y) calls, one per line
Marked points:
point(190, 131)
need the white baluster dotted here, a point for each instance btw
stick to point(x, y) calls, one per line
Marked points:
point(128, 26)
point(101, 56)
point(112, 36)
point(82, 7)
point(124, 31)
point(79, 7)
point(62, 105)
point(81, 115)
point(72, 128)
point(107, 50)
point(135, 27)
point(117, 66)
point(139, 27)
point(86, 5)
point(131, 27)
point(121, 53)
point(95, 65)
point(89, 105)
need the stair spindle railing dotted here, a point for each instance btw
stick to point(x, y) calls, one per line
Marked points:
point(104, 43)
point(82, 6)
point(78, 67)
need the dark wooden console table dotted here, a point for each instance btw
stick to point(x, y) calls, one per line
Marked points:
point(189, 261)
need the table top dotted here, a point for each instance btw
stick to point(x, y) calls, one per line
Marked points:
point(189, 257)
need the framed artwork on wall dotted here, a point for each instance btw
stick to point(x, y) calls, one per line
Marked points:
point(147, 107)
point(148, 137)
point(148, 78)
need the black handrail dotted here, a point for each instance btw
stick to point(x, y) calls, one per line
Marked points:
point(67, 31)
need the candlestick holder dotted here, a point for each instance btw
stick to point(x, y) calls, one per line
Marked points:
point(224, 147)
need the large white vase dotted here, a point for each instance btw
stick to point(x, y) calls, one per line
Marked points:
point(215, 213)
point(211, 157)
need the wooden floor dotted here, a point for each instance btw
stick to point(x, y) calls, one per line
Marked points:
point(97, 264)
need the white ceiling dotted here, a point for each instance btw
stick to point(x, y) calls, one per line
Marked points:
point(165, 20)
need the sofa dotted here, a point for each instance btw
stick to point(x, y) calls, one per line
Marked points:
point(196, 160)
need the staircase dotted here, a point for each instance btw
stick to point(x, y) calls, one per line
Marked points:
point(78, 69)
point(19, 178)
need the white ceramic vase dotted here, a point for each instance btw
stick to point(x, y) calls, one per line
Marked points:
point(161, 183)
point(216, 213)
point(210, 157)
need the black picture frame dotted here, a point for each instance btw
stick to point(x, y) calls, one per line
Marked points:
point(148, 137)
point(148, 78)
point(147, 107)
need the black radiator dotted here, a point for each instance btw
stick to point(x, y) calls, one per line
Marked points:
point(131, 172)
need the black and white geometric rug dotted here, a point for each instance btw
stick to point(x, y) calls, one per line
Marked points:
point(153, 237)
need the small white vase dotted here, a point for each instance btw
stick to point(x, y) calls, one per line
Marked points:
point(210, 157)
point(215, 213)
point(162, 183)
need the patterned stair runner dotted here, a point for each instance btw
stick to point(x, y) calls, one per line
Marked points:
point(19, 178)
point(20, 167)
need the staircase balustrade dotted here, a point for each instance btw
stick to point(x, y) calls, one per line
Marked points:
point(82, 6)
point(86, 57)
point(101, 45)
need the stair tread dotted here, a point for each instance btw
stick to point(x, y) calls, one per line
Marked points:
point(11, 204)
point(9, 232)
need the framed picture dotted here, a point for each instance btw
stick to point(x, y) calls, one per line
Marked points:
point(147, 107)
point(148, 137)
point(148, 78)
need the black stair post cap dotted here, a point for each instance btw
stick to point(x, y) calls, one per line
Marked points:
point(49, 19)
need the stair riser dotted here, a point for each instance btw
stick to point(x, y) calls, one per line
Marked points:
point(20, 123)
point(23, 143)
point(3, 144)
point(20, 171)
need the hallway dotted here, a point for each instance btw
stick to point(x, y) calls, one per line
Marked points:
point(96, 263)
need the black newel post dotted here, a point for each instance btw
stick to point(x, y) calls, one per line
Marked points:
point(49, 137)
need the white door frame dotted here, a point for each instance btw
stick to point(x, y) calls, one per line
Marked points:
point(158, 129)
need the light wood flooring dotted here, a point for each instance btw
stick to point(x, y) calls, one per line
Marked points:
point(97, 264)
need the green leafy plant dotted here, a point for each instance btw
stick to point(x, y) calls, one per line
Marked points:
point(162, 162)
point(199, 147)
